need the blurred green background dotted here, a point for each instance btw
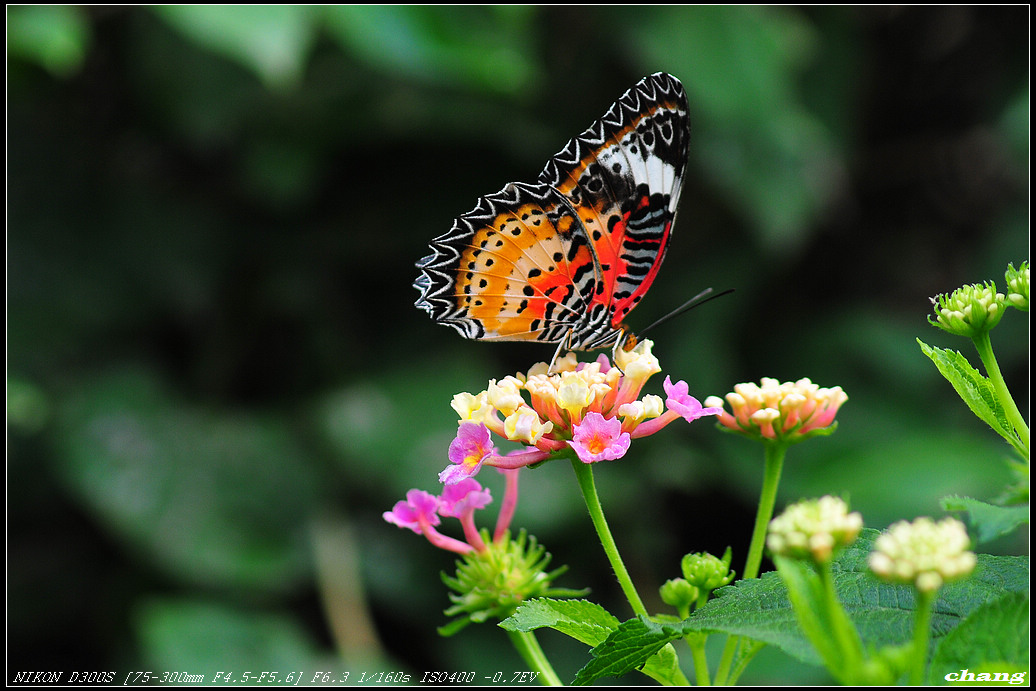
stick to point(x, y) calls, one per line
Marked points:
point(217, 381)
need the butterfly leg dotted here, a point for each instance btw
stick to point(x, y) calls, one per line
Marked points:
point(626, 341)
point(563, 345)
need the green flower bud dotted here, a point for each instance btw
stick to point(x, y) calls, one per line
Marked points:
point(969, 310)
point(1018, 286)
point(814, 530)
point(923, 553)
point(705, 571)
point(678, 593)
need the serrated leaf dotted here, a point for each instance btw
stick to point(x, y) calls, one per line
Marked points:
point(973, 388)
point(588, 623)
point(629, 647)
point(883, 614)
point(994, 636)
point(988, 521)
point(585, 621)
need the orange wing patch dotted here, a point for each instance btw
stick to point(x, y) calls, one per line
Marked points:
point(520, 269)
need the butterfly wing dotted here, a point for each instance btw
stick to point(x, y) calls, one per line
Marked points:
point(569, 257)
point(517, 267)
point(622, 177)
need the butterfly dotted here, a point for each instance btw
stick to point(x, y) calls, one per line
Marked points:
point(565, 259)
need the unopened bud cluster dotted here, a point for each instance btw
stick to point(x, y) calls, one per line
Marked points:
point(706, 571)
point(1018, 286)
point(923, 553)
point(814, 529)
point(969, 310)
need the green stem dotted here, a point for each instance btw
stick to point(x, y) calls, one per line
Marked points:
point(922, 621)
point(723, 670)
point(767, 500)
point(701, 663)
point(775, 452)
point(529, 648)
point(749, 650)
point(585, 477)
point(1014, 416)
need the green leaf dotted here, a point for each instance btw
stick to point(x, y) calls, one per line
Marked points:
point(630, 647)
point(664, 667)
point(271, 40)
point(993, 638)
point(55, 36)
point(481, 47)
point(216, 499)
point(883, 614)
point(589, 623)
point(973, 388)
point(585, 621)
point(195, 637)
point(808, 599)
point(988, 521)
point(28, 407)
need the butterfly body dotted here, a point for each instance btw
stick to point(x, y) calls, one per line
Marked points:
point(564, 260)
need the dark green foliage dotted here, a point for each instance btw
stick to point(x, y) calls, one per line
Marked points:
point(213, 219)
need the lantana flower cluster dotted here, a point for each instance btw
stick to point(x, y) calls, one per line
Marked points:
point(771, 410)
point(814, 529)
point(924, 553)
point(593, 408)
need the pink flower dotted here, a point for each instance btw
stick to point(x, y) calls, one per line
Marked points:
point(418, 511)
point(463, 497)
point(598, 438)
point(460, 500)
point(682, 403)
point(468, 451)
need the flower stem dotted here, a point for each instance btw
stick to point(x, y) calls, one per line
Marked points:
point(701, 663)
point(585, 477)
point(922, 621)
point(1014, 416)
point(767, 499)
point(529, 648)
point(507, 507)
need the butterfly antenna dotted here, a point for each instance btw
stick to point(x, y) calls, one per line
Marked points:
point(697, 301)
